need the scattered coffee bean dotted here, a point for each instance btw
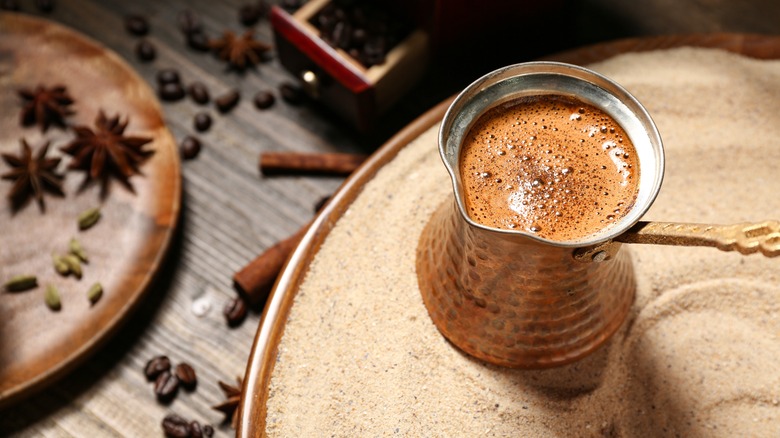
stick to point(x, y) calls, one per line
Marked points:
point(199, 93)
point(291, 93)
point(45, 6)
point(208, 431)
point(250, 14)
point(202, 122)
point(264, 99)
point(145, 50)
point(168, 76)
point(235, 311)
point(198, 40)
point(175, 426)
point(321, 203)
point(189, 148)
point(189, 22)
point(227, 101)
point(187, 376)
point(195, 430)
point(171, 92)
point(9, 5)
point(156, 366)
point(136, 25)
point(166, 386)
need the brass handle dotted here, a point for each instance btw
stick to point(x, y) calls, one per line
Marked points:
point(745, 238)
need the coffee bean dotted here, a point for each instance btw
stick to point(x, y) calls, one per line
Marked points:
point(175, 426)
point(187, 376)
point(208, 431)
point(156, 366)
point(202, 122)
point(195, 430)
point(145, 50)
point(171, 92)
point(136, 25)
point(199, 93)
point(264, 99)
point(228, 101)
point(291, 93)
point(198, 40)
point(45, 6)
point(168, 76)
point(189, 22)
point(250, 14)
point(189, 148)
point(166, 386)
point(235, 311)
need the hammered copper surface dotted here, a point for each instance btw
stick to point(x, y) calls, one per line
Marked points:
point(511, 301)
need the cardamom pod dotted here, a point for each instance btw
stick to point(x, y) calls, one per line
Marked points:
point(60, 265)
point(21, 283)
point(95, 292)
point(74, 264)
point(76, 249)
point(52, 298)
point(89, 218)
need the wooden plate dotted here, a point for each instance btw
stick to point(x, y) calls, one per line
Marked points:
point(262, 359)
point(126, 246)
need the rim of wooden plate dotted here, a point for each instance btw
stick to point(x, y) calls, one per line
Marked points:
point(253, 409)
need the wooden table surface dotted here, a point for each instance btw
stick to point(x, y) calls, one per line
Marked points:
point(230, 213)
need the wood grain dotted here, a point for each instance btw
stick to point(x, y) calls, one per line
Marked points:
point(261, 362)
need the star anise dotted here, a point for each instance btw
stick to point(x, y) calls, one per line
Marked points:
point(229, 407)
point(239, 52)
point(45, 106)
point(32, 174)
point(106, 149)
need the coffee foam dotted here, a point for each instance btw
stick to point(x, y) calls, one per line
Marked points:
point(549, 165)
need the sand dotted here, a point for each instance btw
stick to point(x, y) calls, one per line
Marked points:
point(697, 356)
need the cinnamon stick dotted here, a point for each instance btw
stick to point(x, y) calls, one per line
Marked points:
point(274, 163)
point(255, 280)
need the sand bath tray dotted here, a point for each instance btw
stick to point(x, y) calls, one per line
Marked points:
point(346, 345)
point(125, 247)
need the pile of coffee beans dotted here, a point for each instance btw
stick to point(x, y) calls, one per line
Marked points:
point(366, 31)
point(175, 426)
point(167, 381)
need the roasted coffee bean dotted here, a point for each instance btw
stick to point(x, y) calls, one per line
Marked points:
point(202, 122)
point(187, 376)
point(198, 40)
point(321, 203)
point(166, 386)
point(264, 99)
point(208, 431)
point(250, 14)
point(195, 430)
point(145, 51)
point(175, 426)
point(9, 5)
point(168, 76)
point(228, 101)
point(171, 92)
point(45, 6)
point(199, 93)
point(235, 311)
point(136, 25)
point(156, 366)
point(291, 93)
point(189, 22)
point(189, 148)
